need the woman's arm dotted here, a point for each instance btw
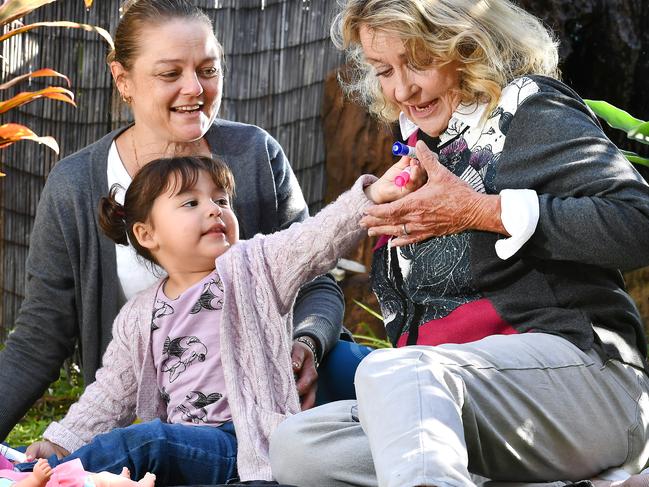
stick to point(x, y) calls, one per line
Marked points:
point(593, 205)
point(46, 328)
point(320, 305)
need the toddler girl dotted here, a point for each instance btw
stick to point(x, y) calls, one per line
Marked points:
point(207, 349)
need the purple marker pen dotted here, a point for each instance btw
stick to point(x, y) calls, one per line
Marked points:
point(401, 149)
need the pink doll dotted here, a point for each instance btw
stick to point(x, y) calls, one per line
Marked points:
point(69, 474)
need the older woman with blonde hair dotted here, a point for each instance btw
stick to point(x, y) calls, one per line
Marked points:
point(520, 356)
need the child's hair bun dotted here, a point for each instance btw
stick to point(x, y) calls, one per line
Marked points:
point(112, 217)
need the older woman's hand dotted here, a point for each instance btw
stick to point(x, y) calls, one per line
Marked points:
point(444, 205)
point(45, 449)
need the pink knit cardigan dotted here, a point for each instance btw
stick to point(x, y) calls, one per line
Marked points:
point(261, 278)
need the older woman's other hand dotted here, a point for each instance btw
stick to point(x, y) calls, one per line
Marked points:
point(45, 449)
point(306, 376)
point(444, 205)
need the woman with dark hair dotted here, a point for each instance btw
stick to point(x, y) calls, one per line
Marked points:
point(167, 66)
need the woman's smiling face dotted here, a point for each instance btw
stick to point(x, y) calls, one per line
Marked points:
point(428, 96)
point(176, 80)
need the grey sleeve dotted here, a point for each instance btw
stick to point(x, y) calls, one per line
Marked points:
point(320, 306)
point(291, 206)
point(318, 313)
point(46, 328)
point(594, 206)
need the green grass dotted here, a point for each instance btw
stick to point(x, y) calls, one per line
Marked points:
point(51, 407)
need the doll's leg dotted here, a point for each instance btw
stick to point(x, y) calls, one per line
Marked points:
point(147, 481)
point(176, 454)
point(107, 479)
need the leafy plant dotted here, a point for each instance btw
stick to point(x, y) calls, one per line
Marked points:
point(369, 337)
point(636, 129)
point(51, 407)
point(10, 12)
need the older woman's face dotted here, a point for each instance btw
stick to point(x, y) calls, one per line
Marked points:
point(176, 80)
point(427, 97)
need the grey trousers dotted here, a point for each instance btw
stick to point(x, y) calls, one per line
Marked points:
point(520, 408)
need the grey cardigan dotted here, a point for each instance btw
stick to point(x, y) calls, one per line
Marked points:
point(72, 290)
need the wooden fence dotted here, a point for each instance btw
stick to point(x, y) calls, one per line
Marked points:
point(277, 52)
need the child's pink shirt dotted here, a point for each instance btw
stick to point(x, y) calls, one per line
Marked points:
point(186, 350)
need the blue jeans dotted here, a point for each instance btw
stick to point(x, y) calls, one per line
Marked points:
point(336, 373)
point(177, 454)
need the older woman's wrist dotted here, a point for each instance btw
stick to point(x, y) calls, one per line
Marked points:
point(484, 214)
point(312, 345)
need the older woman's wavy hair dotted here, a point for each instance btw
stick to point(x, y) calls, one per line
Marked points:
point(493, 41)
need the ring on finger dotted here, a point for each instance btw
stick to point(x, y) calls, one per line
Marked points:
point(405, 230)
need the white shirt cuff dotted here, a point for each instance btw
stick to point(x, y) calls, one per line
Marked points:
point(519, 212)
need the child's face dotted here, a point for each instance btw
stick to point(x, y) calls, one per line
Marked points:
point(191, 229)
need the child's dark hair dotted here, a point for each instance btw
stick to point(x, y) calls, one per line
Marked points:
point(177, 174)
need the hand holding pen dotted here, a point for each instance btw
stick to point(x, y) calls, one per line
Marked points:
point(401, 149)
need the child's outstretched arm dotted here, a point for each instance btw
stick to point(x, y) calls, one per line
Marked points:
point(38, 477)
point(390, 188)
point(312, 247)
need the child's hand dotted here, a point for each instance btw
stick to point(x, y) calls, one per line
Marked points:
point(45, 449)
point(385, 190)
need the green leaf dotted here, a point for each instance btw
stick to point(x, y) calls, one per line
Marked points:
point(372, 342)
point(640, 133)
point(615, 117)
point(369, 310)
point(635, 158)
